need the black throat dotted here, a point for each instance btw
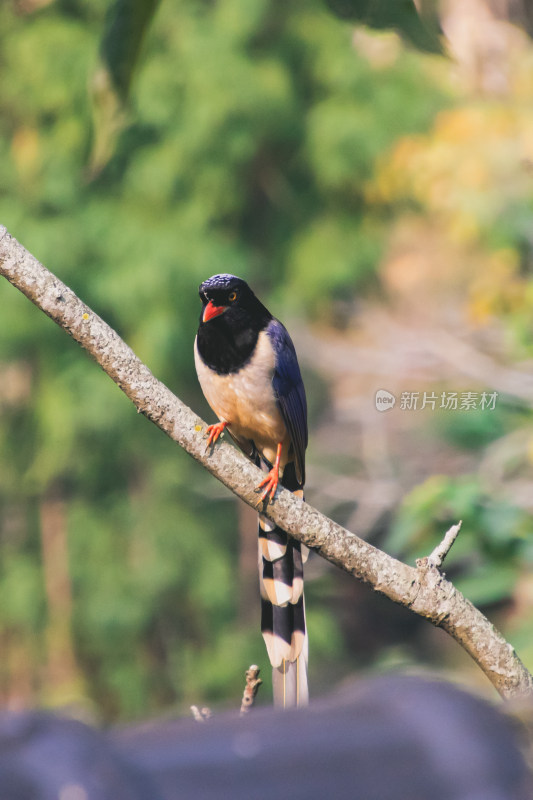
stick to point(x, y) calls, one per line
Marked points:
point(227, 343)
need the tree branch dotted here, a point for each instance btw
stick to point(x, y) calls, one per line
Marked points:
point(423, 590)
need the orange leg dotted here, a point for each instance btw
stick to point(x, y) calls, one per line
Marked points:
point(214, 432)
point(272, 479)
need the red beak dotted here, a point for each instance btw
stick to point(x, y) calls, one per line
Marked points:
point(211, 311)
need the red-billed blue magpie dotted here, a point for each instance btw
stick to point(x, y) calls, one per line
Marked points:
point(249, 374)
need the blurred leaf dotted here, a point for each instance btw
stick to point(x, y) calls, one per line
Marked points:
point(489, 583)
point(350, 252)
point(421, 29)
point(126, 27)
point(109, 119)
point(472, 430)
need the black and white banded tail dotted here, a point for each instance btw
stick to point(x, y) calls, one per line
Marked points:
point(281, 579)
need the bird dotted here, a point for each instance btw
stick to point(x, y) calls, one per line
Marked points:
point(249, 374)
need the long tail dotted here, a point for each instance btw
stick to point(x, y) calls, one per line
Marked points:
point(281, 580)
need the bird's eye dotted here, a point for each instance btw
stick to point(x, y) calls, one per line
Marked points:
point(232, 296)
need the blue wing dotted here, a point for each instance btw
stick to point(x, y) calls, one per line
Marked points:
point(290, 393)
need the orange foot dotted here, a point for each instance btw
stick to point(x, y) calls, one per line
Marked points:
point(214, 432)
point(272, 479)
point(271, 482)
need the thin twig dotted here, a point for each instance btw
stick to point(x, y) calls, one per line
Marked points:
point(253, 682)
point(437, 556)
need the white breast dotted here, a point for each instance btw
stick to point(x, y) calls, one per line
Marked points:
point(245, 399)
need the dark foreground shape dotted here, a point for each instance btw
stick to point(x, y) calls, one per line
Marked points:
point(391, 738)
point(44, 757)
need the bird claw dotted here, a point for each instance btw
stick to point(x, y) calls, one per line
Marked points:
point(214, 432)
point(271, 482)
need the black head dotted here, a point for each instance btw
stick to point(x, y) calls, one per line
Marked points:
point(231, 320)
point(227, 293)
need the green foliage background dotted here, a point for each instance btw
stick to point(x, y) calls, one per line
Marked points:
point(255, 140)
